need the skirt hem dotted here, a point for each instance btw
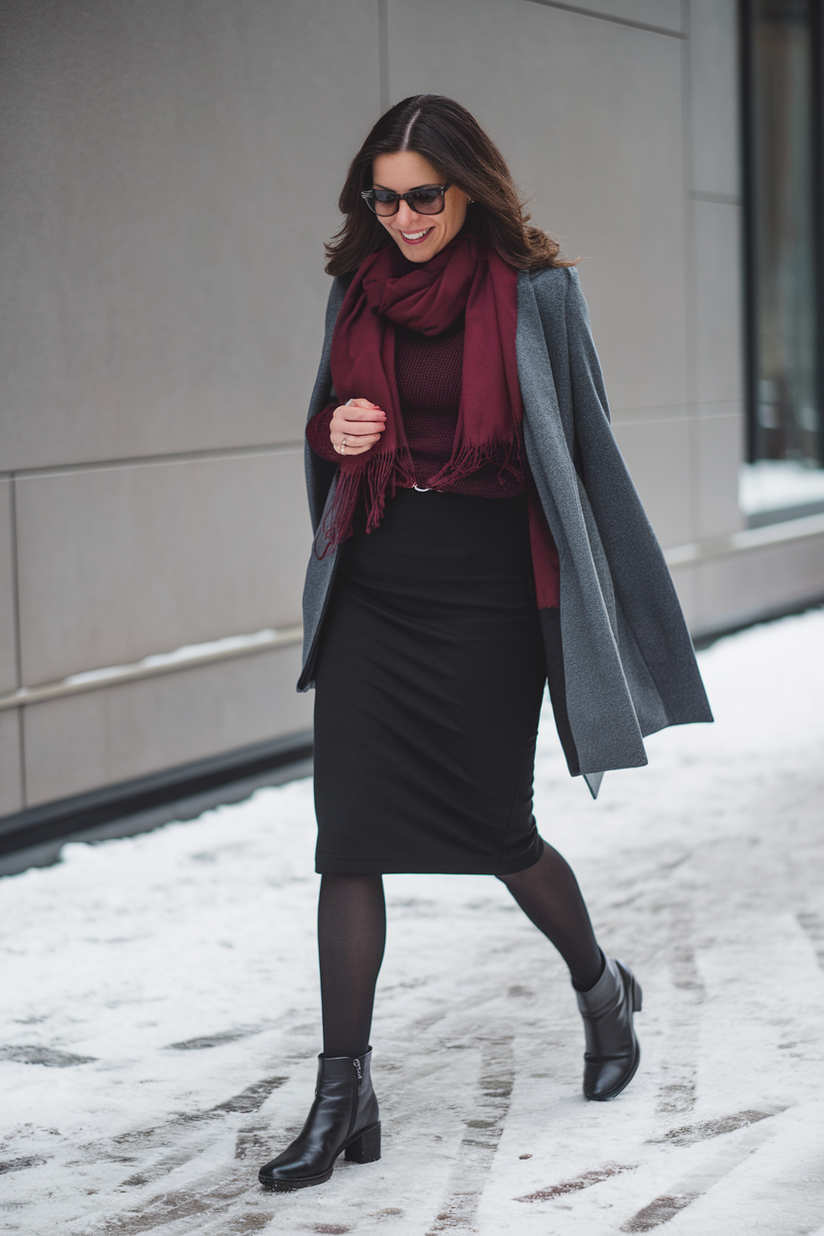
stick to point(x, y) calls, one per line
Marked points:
point(377, 866)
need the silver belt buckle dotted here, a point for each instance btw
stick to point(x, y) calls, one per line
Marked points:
point(423, 489)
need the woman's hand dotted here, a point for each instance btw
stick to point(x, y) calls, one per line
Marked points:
point(356, 427)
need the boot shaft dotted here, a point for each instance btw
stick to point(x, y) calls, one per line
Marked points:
point(345, 1083)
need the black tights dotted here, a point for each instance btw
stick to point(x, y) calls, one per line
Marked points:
point(352, 935)
point(351, 939)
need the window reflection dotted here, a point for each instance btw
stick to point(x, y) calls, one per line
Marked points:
point(780, 98)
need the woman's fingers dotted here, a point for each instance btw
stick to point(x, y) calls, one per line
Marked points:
point(359, 419)
point(347, 425)
point(356, 447)
point(356, 427)
point(363, 405)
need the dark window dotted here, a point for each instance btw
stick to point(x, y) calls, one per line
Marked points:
point(784, 230)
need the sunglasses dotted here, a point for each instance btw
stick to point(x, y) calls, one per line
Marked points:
point(427, 200)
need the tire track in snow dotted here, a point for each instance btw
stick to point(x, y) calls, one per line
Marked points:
point(480, 1139)
point(743, 1133)
point(585, 1181)
point(813, 928)
point(198, 1201)
point(677, 1085)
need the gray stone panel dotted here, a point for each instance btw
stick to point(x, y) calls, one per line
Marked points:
point(713, 94)
point(170, 173)
point(588, 113)
point(662, 14)
point(11, 794)
point(716, 267)
point(737, 589)
point(102, 737)
point(8, 656)
point(117, 563)
point(657, 450)
point(719, 434)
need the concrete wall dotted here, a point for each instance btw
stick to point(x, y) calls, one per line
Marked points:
point(170, 173)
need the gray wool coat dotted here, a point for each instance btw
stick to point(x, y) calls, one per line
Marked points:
point(620, 661)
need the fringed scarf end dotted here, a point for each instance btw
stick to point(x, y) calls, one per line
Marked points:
point(504, 455)
point(373, 483)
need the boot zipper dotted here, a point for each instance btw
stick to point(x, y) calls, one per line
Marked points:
point(357, 1078)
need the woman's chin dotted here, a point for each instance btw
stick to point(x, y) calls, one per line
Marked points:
point(422, 253)
point(419, 252)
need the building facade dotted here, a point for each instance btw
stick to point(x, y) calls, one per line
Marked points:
point(170, 174)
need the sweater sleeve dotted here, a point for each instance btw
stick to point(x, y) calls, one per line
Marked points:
point(317, 433)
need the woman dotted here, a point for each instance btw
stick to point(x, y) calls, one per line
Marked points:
point(476, 534)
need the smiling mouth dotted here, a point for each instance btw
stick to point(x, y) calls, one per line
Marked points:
point(415, 238)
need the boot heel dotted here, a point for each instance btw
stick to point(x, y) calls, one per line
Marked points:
point(637, 996)
point(367, 1148)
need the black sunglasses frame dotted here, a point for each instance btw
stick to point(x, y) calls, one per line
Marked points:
point(368, 196)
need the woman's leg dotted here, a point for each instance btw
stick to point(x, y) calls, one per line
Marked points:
point(608, 993)
point(344, 1115)
point(549, 895)
point(351, 939)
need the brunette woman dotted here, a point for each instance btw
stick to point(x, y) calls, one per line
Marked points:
point(476, 534)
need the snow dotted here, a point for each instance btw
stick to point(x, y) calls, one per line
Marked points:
point(160, 1007)
point(774, 484)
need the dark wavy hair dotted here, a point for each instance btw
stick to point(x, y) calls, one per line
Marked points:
point(450, 138)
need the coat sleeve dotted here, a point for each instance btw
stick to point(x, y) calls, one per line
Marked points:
point(656, 648)
point(321, 473)
point(591, 696)
point(628, 663)
point(320, 482)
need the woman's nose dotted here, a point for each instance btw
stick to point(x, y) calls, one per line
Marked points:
point(406, 216)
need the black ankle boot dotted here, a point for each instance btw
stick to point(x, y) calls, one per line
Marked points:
point(612, 1052)
point(344, 1116)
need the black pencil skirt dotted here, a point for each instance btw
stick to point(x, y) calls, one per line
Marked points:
point(429, 681)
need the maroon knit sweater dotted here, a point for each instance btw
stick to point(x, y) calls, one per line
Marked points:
point(428, 371)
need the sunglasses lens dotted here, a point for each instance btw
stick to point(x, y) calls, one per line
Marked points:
point(427, 201)
point(383, 202)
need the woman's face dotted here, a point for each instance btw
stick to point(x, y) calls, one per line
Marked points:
point(419, 237)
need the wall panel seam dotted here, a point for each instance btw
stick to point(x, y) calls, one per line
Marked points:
point(18, 650)
point(383, 54)
point(117, 675)
point(690, 288)
point(137, 461)
point(15, 583)
point(790, 533)
point(616, 21)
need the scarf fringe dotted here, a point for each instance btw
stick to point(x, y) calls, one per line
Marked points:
point(372, 482)
point(505, 455)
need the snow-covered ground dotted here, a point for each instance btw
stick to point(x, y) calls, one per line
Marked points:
point(771, 484)
point(160, 1007)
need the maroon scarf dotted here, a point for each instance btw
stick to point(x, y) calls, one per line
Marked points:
point(466, 277)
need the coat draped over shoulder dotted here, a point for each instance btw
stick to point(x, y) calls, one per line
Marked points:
point(620, 660)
